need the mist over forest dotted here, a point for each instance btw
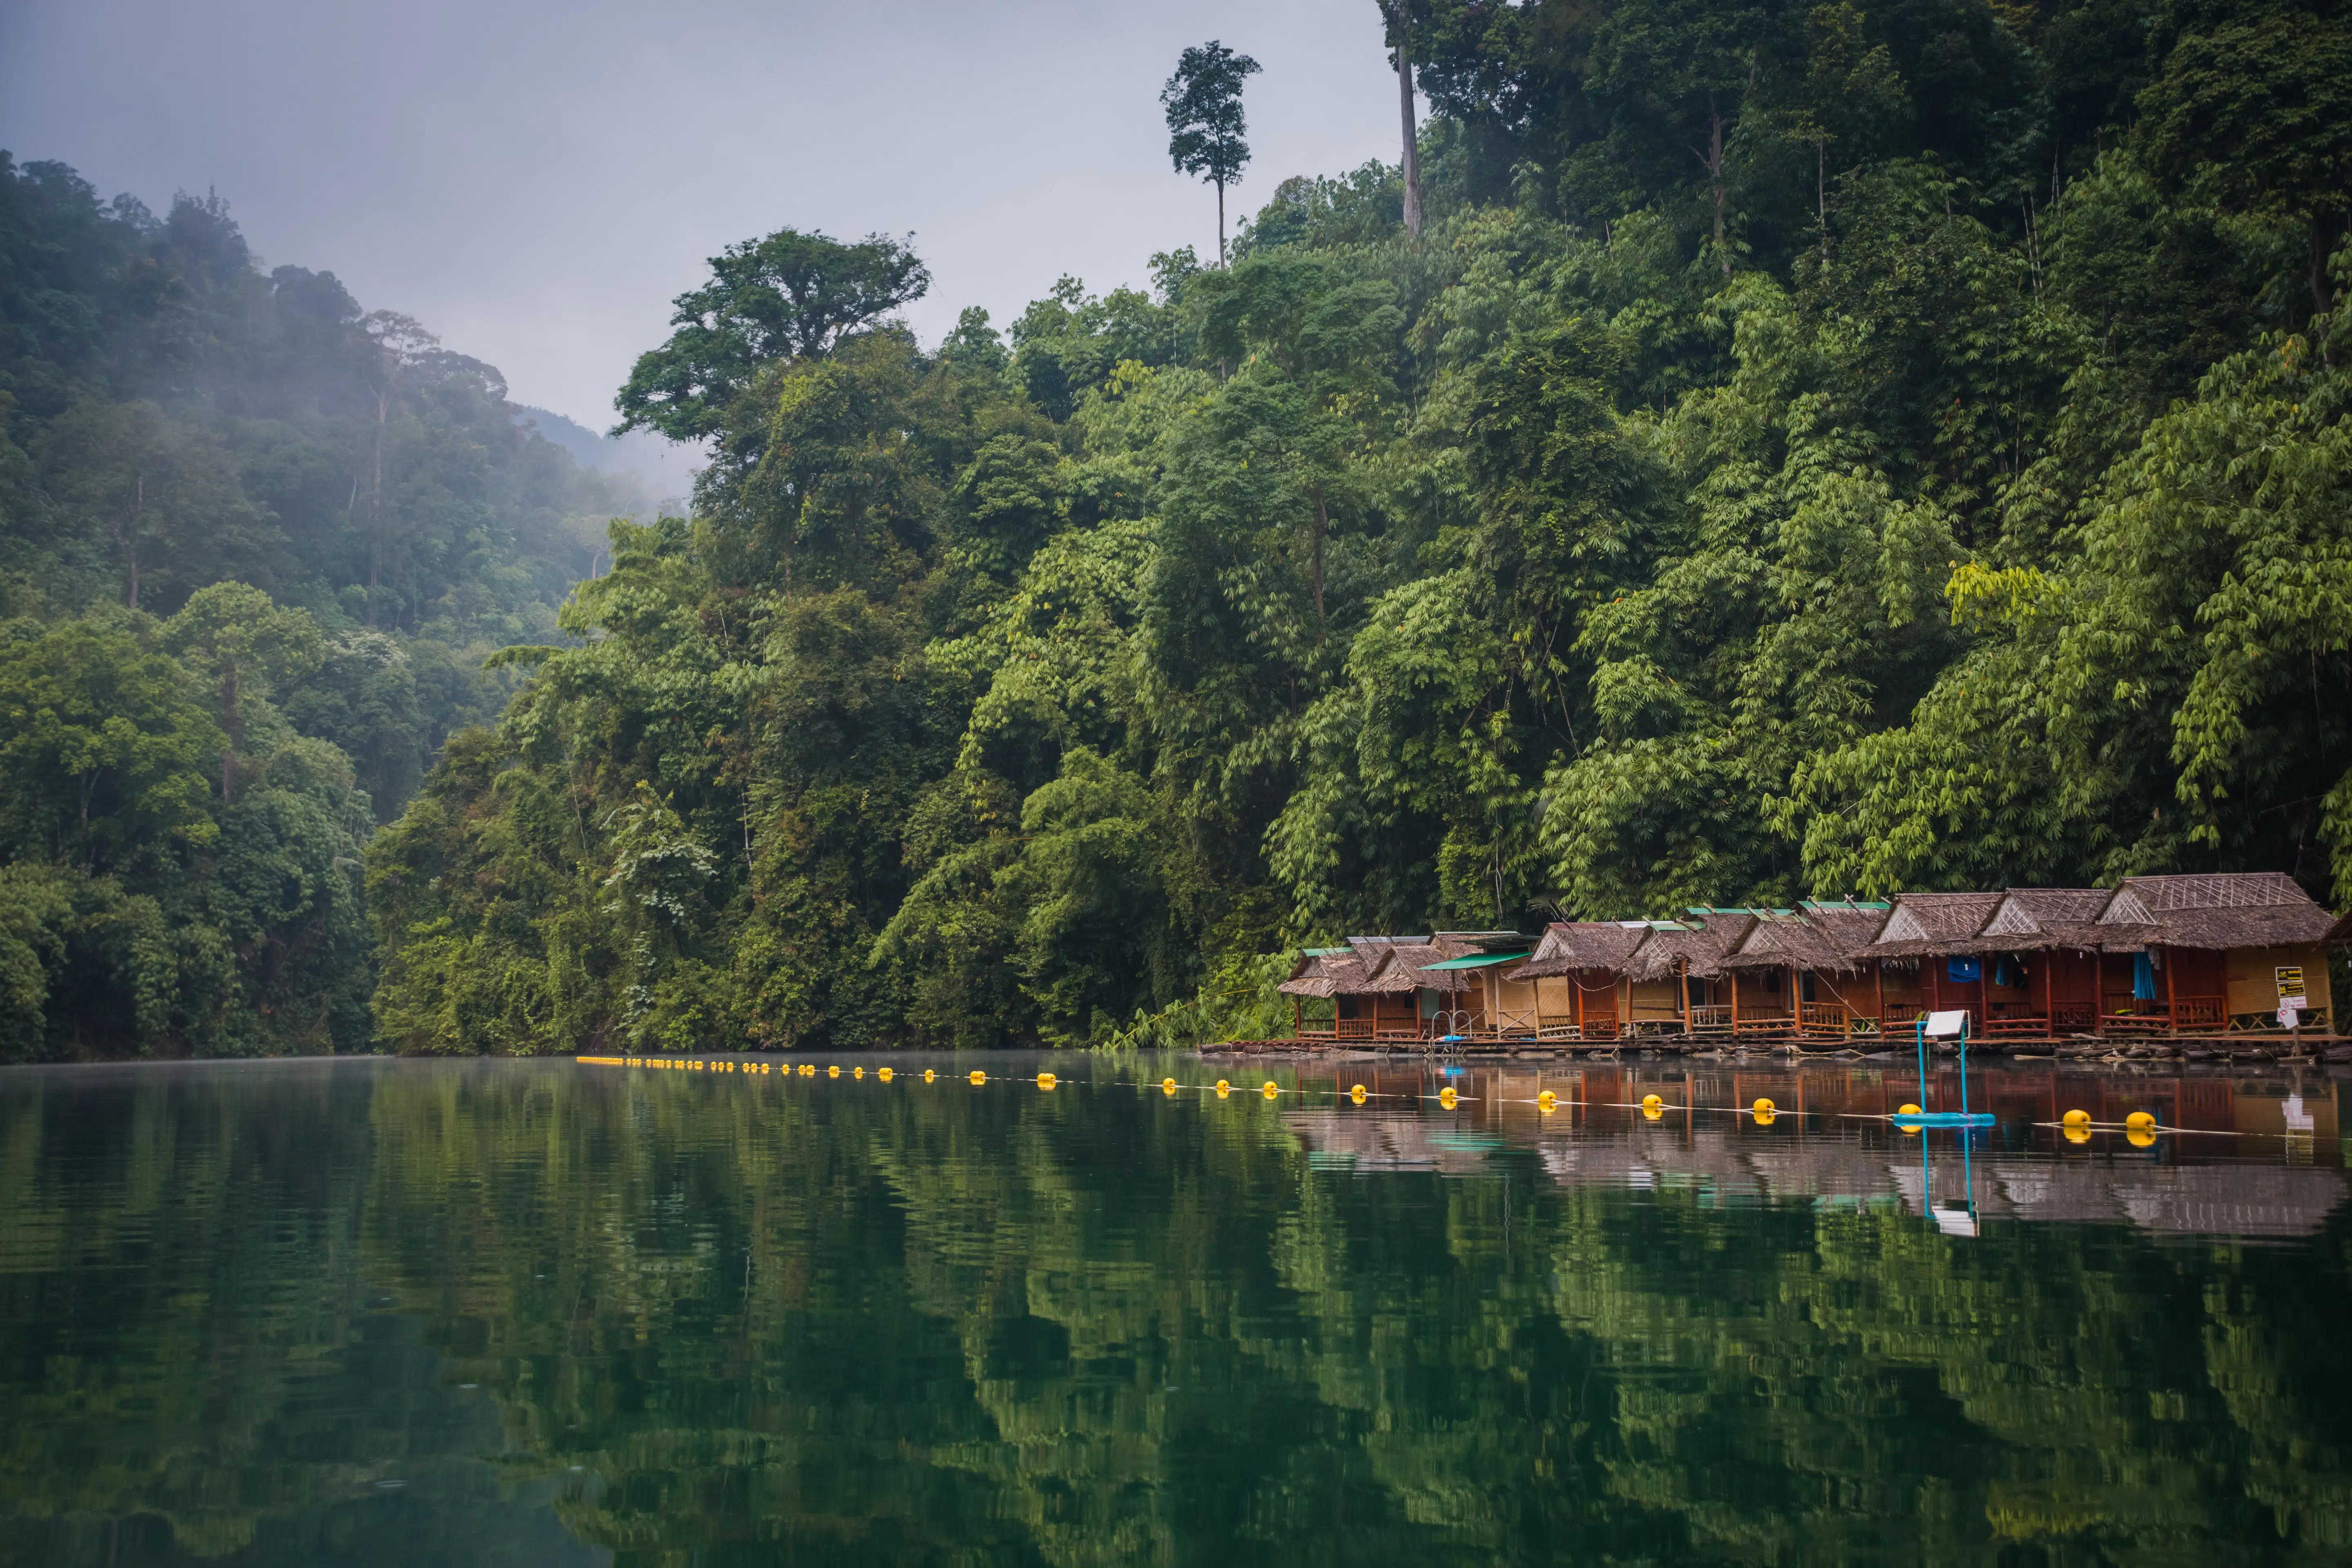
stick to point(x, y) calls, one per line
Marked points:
point(1746, 451)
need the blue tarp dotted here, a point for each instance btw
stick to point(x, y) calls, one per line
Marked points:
point(1960, 971)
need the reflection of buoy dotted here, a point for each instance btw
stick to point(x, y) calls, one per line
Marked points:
point(928, 1074)
point(1907, 1109)
point(2141, 1138)
point(1357, 1094)
point(1224, 1088)
point(1447, 1097)
point(833, 1072)
point(1764, 1119)
point(978, 1076)
point(884, 1074)
point(2140, 1121)
point(1046, 1080)
point(1763, 1107)
point(2078, 1132)
point(1271, 1088)
point(1547, 1101)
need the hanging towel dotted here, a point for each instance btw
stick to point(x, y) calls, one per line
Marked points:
point(1960, 971)
point(2143, 977)
point(2004, 973)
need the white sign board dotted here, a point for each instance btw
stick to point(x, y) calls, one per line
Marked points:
point(1952, 1023)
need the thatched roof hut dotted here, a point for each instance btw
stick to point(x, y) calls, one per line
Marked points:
point(1801, 938)
point(1923, 925)
point(1673, 947)
point(2230, 909)
point(1570, 946)
point(1325, 972)
point(2045, 919)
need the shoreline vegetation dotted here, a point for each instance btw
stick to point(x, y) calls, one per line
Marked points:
point(1771, 452)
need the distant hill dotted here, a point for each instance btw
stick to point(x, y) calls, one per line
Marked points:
point(665, 468)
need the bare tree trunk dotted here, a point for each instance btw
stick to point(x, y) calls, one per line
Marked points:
point(375, 501)
point(1715, 176)
point(1220, 223)
point(2320, 298)
point(1822, 189)
point(1404, 108)
point(128, 537)
point(1322, 526)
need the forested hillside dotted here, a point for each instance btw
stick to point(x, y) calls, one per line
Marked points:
point(1808, 449)
point(254, 544)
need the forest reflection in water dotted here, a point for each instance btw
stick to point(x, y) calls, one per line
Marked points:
point(453, 1313)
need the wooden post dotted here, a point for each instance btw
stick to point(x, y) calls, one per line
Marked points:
point(1735, 1004)
point(2049, 1002)
point(2099, 992)
point(1878, 985)
point(2171, 1019)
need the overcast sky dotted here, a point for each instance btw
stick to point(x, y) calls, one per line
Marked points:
point(535, 181)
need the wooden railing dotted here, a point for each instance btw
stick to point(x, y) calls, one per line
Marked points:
point(1710, 1019)
point(1351, 1030)
point(1822, 1019)
point(2197, 1012)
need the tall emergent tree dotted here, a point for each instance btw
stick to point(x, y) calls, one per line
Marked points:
point(1203, 100)
point(1398, 16)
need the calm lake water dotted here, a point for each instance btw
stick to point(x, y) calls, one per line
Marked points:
point(541, 1312)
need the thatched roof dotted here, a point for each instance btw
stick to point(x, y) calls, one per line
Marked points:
point(2245, 908)
point(1793, 939)
point(1928, 924)
point(1670, 947)
point(1325, 973)
point(1728, 927)
point(2040, 920)
point(1570, 946)
point(1400, 968)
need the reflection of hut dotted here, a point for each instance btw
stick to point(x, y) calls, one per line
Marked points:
point(1575, 986)
point(1798, 971)
point(2218, 951)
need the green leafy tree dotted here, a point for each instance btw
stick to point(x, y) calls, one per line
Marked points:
point(1205, 124)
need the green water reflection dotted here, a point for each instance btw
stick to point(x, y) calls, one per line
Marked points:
point(537, 1313)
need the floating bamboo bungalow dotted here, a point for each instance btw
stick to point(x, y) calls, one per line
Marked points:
point(2176, 955)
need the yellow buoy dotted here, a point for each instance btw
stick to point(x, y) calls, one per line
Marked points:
point(1447, 1097)
point(1763, 1107)
point(808, 1070)
point(978, 1076)
point(2140, 1121)
point(2078, 1132)
point(884, 1074)
point(833, 1072)
point(858, 1072)
point(2141, 1137)
point(1907, 1108)
point(1357, 1094)
point(1653, 1107)
point(1224, 1088)
point(1271, 1088)
point(930, 1073)
point(1547, 1101)
point(1046, 1080)
point(1166, 1086)
point(2076, 1119)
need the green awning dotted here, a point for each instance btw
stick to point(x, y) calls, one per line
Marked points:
point(1480, 962)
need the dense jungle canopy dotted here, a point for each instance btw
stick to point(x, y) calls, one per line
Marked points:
point(1806, 448)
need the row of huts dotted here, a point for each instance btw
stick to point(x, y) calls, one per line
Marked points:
point(2155, 956)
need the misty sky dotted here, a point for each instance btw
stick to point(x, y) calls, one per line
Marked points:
point(535, 181)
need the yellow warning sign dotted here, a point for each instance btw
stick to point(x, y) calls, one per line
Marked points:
point(2290, 982)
